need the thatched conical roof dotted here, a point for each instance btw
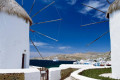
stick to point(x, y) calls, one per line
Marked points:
point(13, 8)
point(113, 7)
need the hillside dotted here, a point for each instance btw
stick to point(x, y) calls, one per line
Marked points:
point(77, 56)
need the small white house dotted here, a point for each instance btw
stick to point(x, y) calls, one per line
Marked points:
point(114, 16)
point(14, 35)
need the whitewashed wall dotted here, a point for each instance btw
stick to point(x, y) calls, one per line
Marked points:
point(54, 74)
point(29, 73)
point(32, 74)
point(14, 39)
point(115, 43)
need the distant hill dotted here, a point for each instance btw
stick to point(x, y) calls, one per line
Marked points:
point(78, 56)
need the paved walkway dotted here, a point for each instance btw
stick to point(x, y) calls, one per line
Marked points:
point(106, 75)
point(68, 78)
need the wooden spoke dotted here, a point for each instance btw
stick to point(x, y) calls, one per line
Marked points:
point(94, 8)
point(43, 9)
point(108, 1)
point(47, 21)
point(98, 38)
point(36, 48)
point(44, 35)
point(32, 7)
point(93, 23)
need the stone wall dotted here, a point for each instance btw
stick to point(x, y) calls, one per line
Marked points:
point(12, 76)
point(20, 74)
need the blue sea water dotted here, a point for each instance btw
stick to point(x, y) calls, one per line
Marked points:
point(48, 63)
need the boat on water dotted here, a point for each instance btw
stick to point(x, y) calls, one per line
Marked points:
point(55, 59)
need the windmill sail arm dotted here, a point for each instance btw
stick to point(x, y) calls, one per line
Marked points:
point(98, 38)
point(93, 23)
point(32, 7)
point(36, 48)
point(108, 1)
point(47, 36)
point(43, 9)
point(94, 8)
point(44, 35)
point(47, 21)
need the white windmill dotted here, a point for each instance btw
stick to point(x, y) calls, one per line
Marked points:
point(14, 39)
point(113, 14)
point(14, 32)
point(14, 35)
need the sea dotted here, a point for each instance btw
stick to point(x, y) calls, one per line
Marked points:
point(48, 63)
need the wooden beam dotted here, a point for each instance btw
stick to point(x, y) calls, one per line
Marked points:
point(93, 8)
point(47, 21)
point(93, 23)
point(36, 48)
point(32, 7)
point(43, 9)
point(44, 35)
point(98, 38)
point(108, 1)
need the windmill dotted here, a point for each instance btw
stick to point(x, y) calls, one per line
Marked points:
point(113, 16)
point(14, 32)
point(14, 42)
point(38, 23)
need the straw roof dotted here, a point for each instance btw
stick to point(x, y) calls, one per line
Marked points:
point(113, 7)
point(13, 8)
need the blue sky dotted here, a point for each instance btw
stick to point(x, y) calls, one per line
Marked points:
point(72, 38)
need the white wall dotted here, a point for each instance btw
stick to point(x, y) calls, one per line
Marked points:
point(29, 74)
point(32, 74)
point(54, 74)
point(115, 43)
point(14, 39)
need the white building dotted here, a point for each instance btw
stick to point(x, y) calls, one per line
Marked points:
point(14, 35)
point(114, 15)
point(14, 43)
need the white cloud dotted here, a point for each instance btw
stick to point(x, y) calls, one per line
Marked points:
point(101, 15)
point(44, 54)
point(101, 5)
point(63, 47)
point(46, 1)
point(40, 44)
point(110, 1)
point(71, 2)
point(104, 8)
point(95, 4)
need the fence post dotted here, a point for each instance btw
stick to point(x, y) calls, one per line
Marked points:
point(47, 74)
